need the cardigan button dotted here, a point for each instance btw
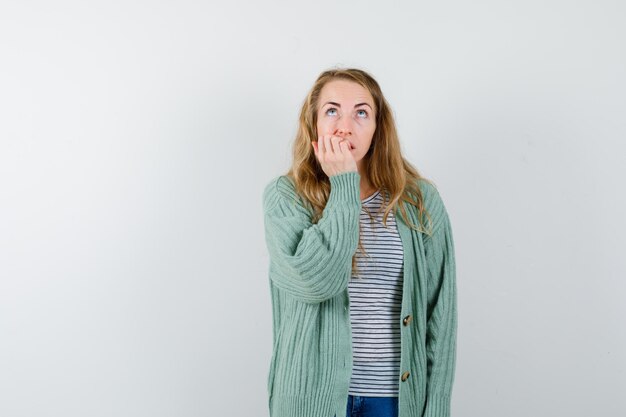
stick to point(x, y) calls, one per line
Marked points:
point(405, 376)
point(407, 320)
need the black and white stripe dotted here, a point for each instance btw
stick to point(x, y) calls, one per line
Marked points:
point(375, 302)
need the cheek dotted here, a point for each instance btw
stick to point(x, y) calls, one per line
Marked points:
point(367, 132)
point(322, 126)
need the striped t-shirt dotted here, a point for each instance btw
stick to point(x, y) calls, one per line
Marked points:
point(375, 302)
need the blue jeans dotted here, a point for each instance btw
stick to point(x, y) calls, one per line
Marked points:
point(359, 406)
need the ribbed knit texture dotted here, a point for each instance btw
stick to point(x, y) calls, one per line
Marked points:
point(310, 267)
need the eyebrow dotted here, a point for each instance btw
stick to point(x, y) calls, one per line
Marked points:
point(339, 105)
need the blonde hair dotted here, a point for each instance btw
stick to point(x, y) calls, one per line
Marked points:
point(386, 168)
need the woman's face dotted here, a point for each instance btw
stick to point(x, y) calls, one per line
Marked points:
point(346, 109)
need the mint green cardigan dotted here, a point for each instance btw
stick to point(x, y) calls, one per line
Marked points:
point(310, 266)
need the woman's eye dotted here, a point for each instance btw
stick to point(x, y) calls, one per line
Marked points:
point(329, 112)
point(361, 113)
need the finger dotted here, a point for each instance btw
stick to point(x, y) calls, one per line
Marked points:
point(335, 143)
point(321, 147)
point(328, 146)
point(341, 147)
point(345, 147)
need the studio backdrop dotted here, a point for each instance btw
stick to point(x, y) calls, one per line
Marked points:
point(136, 138)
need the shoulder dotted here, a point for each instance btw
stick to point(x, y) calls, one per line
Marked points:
point(433, 203)
point(281, 184)
point(279, 191)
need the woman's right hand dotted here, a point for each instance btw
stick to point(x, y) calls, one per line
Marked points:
point(334, 155)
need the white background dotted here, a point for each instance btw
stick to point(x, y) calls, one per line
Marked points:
point(136, 139)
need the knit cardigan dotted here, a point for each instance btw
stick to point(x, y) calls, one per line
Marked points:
point(309, 270)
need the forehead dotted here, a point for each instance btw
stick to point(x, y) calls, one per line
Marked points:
point(345, 91)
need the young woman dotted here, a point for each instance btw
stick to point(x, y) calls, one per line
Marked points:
point(362, 270)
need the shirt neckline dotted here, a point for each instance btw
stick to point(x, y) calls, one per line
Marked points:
point(367, 199)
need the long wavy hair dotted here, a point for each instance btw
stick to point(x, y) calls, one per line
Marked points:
point(386, 168)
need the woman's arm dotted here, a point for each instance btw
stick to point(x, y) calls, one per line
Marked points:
point(312, 262)
point(441, 313)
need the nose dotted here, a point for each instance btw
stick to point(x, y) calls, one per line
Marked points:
point(343, 127)
point(343, 132)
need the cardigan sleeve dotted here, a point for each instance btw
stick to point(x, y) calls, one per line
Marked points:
point(312, 262)
point(441, 327)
